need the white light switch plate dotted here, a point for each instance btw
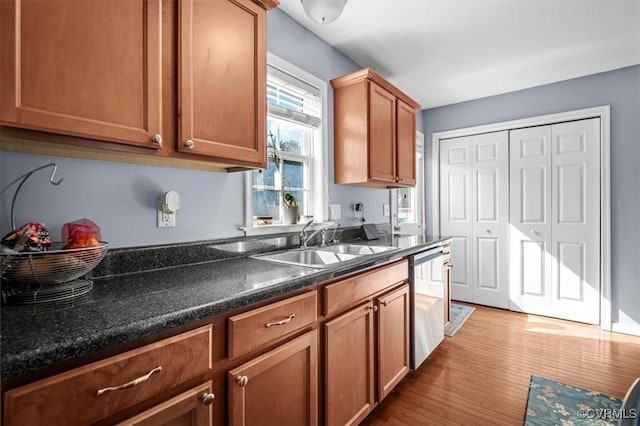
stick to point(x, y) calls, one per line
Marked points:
point(385, 210)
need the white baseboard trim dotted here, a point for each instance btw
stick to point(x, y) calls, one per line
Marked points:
point(619, 327)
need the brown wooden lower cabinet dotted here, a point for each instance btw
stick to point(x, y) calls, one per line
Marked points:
point(191, 408)
point(107, 387)
point(393, 339)
point(366, 354)
point(349, 366)
point(277, 388)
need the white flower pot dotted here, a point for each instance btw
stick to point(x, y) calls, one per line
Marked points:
point(290, 215)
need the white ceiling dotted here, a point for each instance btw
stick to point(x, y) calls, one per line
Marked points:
point(446, 51)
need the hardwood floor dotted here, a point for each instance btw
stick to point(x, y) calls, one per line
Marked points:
point(480, 376)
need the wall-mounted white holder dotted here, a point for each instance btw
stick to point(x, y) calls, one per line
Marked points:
point(168, 206)
point(358, 212)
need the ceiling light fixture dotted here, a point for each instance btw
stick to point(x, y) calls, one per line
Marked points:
point(323, 11)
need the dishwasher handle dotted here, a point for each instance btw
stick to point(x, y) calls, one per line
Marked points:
point(425, 256)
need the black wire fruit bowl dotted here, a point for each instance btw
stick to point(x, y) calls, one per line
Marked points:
point(53, 266)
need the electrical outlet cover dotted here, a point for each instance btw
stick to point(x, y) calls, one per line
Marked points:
point(165, 220)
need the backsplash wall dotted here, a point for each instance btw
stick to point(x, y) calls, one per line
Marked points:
point(121, 198)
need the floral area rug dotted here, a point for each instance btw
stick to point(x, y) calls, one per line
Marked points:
point(459, 314)
point(554, 403)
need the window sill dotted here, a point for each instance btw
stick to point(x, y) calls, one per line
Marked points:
point(250, 231)
point(269, 229)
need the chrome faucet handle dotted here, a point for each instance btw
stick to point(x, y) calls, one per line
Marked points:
point(306, 225)
point(303, 234)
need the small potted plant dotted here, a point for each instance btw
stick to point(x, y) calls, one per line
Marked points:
point(290, 214)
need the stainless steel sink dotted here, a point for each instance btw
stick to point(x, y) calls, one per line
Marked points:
point(322, 257)
point(309, 257)
point(357, 249)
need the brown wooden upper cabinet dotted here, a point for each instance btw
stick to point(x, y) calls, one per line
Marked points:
point(96, 70)
point(83, 68)
point(222, 101)
point(374, 132)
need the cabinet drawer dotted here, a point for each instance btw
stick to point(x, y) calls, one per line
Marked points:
point(345, 293)
point(83, 395)
point(260, 326)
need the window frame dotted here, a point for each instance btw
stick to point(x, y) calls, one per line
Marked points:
point(318, 167)
point(418, 193)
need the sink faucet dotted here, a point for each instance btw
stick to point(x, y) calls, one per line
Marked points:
point(303, 234)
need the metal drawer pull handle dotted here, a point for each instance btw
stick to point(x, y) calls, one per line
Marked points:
point(373, 308)
point(131, 383)
point(281, 322)
point(208, 398)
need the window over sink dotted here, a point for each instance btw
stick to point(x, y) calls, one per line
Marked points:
point(407, 204)
point(296, 150)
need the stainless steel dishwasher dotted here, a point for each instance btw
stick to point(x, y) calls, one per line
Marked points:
point(427, 299)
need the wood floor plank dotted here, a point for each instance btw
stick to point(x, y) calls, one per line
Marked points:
point(480, 376)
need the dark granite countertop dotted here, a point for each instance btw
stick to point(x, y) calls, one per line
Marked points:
point(127, 307)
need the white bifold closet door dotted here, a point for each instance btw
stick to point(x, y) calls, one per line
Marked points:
point(555, 220)
point(474, 211)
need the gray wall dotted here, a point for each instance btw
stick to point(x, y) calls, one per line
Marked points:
point(621, 90)
point(121, 198)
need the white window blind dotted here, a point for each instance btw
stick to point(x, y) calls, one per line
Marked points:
point(292, 99)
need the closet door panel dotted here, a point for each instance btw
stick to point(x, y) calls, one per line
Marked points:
point(456, 219)
point(575, 241)
point(490, 231)
point(530, 212)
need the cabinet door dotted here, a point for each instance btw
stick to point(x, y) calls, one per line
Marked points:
point(382, 134)
point(349, 368)
point(279, 387)
point(222, 90)
point(191, 408)
point(83, 68)
point(406, 144)
point(393, 339)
